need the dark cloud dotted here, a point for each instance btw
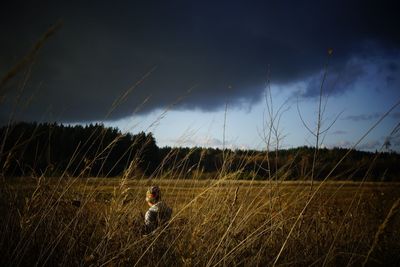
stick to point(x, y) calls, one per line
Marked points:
point(392, 66)
point(337, 80)
point(222, 48)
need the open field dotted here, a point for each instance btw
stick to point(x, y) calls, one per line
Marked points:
point(97, 222)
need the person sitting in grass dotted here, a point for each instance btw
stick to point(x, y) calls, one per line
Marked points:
point(158, 213)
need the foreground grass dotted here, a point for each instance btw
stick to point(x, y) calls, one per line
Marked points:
point(97, 222)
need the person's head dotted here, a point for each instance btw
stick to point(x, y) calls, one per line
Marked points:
point(153, 195)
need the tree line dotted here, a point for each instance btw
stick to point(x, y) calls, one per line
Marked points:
point(53, 149)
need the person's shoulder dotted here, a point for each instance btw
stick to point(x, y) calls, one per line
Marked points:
point(153, 208)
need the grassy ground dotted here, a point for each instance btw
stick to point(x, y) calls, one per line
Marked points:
point(97, 222)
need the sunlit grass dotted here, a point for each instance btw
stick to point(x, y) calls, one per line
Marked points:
point(98, 222)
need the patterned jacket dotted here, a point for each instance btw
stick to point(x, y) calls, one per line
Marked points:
point(157, 215)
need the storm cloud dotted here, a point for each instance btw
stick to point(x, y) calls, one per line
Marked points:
point(217, 50)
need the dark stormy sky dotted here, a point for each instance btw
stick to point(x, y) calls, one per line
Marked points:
point(157, 51)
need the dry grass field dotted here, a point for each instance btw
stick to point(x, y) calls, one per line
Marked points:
point(97, 222)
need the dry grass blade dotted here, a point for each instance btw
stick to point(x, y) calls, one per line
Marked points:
point(381, 230)
point(31, 55)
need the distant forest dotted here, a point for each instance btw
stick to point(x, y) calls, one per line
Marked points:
point(51, 149)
